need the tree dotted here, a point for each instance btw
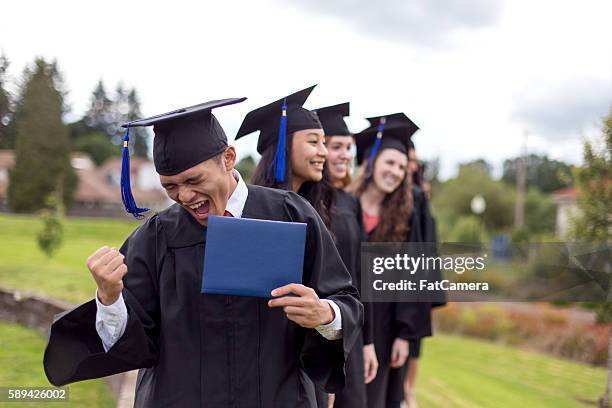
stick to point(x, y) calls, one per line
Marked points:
point(99, 115)
point(97, 145)
point(452, 199)
point(103, 119)
point(594, 181)
point(52, 234)
point(594, 221)
point(138, 136)
point(543, 173)
point(42, 150)
point(481, 164)
point(246, 167)
point(7, 136)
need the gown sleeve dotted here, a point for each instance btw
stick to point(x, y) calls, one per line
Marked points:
point(323, 360)
point(74, 351)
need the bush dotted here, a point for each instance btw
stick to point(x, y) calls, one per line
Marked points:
point(538, 327)
point(51, 236)
point(467, 228)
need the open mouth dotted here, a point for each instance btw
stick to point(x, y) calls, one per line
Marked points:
point(200, 209)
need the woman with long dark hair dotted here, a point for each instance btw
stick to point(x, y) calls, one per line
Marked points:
point(361, 364)
point(384, 189)
point(292, 145)
point(295, 163)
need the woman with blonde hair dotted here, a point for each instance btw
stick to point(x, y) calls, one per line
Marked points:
point(384, 189)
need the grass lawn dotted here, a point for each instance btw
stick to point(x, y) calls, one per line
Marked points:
point(462, 372)
point(21, 361)
point(23, 265)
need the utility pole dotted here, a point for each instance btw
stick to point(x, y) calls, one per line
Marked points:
point(521, 181)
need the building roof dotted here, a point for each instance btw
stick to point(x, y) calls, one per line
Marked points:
point(96, 184)
point(568, 194)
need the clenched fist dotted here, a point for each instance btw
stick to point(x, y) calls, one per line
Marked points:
point(107, 268)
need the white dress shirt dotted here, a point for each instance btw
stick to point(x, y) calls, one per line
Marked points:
point(111, 320)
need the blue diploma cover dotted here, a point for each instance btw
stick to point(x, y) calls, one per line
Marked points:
point(250, 257)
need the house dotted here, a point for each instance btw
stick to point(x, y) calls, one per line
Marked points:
point(99, 191)
point(567, 208)
point(7, 161)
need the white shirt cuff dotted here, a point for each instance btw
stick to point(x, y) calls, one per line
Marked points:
point(332, 330)
point(111, 321)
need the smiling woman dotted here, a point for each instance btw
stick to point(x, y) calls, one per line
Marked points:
point(384, 189)
point(293, 153)
point(301, 138)
point(308, 155)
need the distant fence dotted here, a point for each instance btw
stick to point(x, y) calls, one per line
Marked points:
point(36, 311)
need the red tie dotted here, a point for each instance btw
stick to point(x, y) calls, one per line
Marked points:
point(227, 214)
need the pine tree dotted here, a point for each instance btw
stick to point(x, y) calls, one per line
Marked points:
point(138, 136)
point(120, 110)
point(99, 132)
point(7, 137)
point(92, 134)
point(42, 150)
point(98, 116)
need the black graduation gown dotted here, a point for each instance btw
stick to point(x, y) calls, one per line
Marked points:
point(347, 226)
point(430, 235)
point(408, 321)
point(421, 312)
point(198, 350)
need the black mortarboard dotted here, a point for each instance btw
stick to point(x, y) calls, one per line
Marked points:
point(277, 120)
point(183, 138)
point(385, 132)
point(332, 119)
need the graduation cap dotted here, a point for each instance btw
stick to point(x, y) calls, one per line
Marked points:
point(385, 132)
point(275, 121)
point(183, 138)
point(332, 119)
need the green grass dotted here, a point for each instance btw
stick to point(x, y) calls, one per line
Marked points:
point(461, 372)
point(21, 352)
point(23, 265)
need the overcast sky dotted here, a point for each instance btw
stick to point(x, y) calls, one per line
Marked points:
point(475, 75)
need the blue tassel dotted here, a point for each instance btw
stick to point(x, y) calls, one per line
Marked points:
point(379, 135)
point(279, 158)
point(126, 189)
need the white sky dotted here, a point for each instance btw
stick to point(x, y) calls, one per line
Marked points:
point(541, 66)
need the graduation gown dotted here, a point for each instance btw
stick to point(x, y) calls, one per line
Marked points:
point(408, 321)
point(430, 235)
point(198, 350)
point(347, 227)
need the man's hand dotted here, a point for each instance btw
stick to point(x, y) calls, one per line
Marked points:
point(370, 363)
point(305, 309)
point(399, 353)
point(107, 268)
